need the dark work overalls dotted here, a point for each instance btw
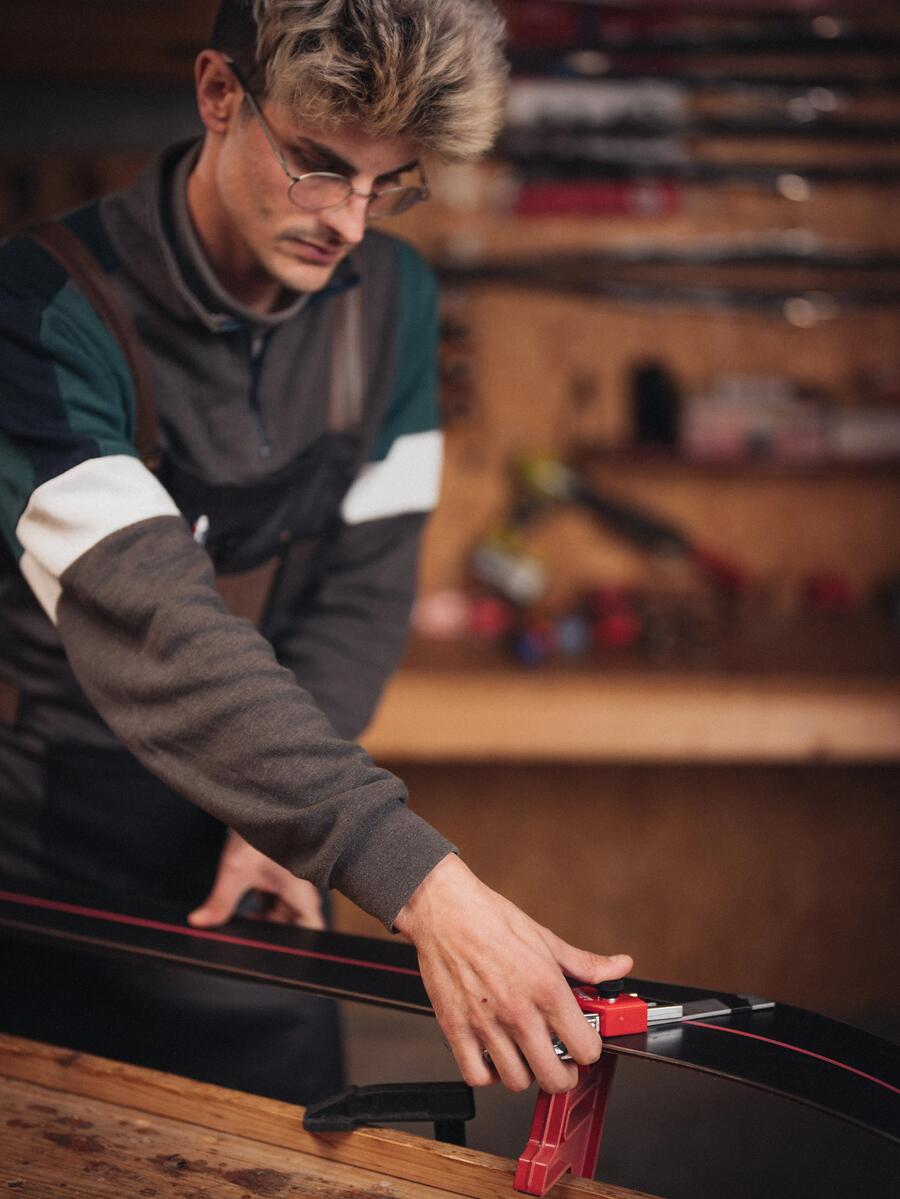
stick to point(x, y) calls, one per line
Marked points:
point(109, 822)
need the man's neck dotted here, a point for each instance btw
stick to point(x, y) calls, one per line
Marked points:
point(228, 255)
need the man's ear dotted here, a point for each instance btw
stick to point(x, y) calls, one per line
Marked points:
point(219, 94)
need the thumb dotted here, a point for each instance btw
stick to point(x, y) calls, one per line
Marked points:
point(221, 903)
point(590, 967)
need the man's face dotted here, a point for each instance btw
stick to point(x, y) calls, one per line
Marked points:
point(265, 230)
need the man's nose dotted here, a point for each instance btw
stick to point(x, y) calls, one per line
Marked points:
point(348, 220)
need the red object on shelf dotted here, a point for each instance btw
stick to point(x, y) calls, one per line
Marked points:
point(618, 629)
point(723, 571)
point(617, 624)
point(566, 1130)
point(490, 616)
point(651, 198)
point(827, 592)
point(536, 23)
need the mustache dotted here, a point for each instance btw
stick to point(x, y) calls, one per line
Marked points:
point(325, 242)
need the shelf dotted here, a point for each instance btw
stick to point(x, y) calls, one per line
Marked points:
point(456, 716)
point(448, 716)
point(660, 461)
point(456, 703)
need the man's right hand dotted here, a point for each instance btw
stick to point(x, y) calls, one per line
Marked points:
point(495, 979)
point(241, 869)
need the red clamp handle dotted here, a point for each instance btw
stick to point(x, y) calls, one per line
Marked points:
point(566, 1129)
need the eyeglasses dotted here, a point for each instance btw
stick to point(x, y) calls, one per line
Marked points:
point(316, 191)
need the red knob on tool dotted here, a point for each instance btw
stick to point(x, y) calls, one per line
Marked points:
point(620, 1014)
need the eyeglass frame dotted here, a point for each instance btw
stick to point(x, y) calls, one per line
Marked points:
point(423, 190)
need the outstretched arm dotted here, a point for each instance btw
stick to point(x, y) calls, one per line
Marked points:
point(494, 976)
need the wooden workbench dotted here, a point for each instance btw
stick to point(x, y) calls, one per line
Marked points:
point(85, 1127)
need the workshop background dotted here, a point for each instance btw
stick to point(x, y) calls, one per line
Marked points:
point(652, 691)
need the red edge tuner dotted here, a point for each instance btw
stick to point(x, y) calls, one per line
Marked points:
point(620, 1015)
point(566, 1128)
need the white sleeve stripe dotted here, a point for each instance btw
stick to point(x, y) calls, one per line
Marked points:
point(70, 514)
point(46, 589)
point(407, 480)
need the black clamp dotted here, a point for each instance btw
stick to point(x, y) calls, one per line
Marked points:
point(448, 1104)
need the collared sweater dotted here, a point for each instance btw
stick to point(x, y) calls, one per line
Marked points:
point(111, 627)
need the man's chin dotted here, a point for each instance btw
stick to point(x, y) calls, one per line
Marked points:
point(298, 274)
point(305, 279)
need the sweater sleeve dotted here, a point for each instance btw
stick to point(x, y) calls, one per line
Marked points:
point(195, 693)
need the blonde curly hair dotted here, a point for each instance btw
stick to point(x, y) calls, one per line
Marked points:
point(432, 71)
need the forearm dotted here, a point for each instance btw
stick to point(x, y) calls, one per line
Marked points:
point(199, 698)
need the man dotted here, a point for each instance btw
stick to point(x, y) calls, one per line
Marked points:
point(292, 361)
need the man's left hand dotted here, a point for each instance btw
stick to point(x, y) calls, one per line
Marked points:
point(241, 869)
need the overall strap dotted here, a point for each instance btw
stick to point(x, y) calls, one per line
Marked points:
point(74, 256)
point(247, 593)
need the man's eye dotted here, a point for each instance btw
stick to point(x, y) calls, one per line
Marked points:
point(307, 165)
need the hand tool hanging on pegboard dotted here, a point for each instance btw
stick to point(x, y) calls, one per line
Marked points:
point(545, 480)
point(610, 618)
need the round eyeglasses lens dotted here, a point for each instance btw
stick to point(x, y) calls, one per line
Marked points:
point(319, 190)
point(394, 200)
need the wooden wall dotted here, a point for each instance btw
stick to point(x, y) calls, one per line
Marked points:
point(784, 881)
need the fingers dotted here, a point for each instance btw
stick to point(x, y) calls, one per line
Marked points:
point(298, 903)
point(477, 1070)
point(492, 1055)
point(585, 966)
point(508, 1063)
point(235, 876)
point(242, 869)
point(522, 1039)
point(553, 1075)
point(567, 1021)
point(581, 1041)
point(221, 903)
point(514, 1056)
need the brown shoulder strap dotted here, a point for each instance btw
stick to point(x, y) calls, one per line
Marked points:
point(10, 703)
point(71, 252)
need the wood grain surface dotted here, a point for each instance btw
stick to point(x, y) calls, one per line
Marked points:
point(88, 1128)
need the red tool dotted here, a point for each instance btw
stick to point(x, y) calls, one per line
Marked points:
point(566, 1129)
point(619, 1015)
